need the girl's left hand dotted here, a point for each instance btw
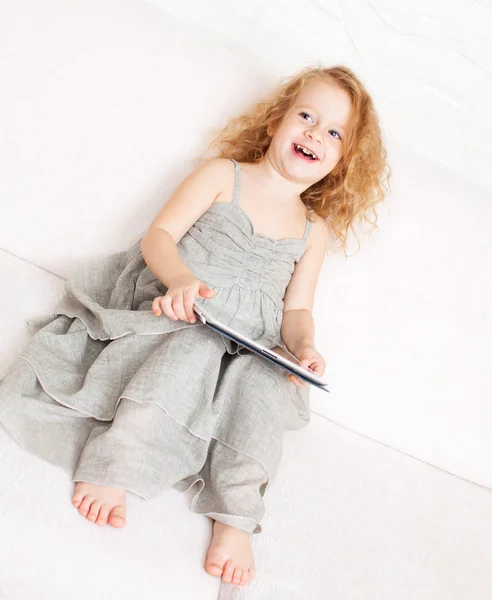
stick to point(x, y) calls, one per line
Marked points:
point(310, 359)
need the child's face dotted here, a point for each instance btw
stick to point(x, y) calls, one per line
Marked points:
point(317, 120)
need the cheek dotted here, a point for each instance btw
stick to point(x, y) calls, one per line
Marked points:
point(334, 150)
point(288, 129)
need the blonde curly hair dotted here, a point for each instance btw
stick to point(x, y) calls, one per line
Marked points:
point(357, 183)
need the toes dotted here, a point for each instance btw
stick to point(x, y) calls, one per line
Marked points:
point(102, 519)
point(77, 499)
point(238, 573)
point(245, 578)
point(85, 505)
point(94, 511)
point(117, 518)
point(92, 503)
point(228, 571)
point(78, 495)
point(214, 568)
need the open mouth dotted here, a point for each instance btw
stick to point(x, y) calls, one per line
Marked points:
point(304, 152)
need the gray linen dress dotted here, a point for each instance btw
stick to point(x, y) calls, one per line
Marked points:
point(118, 396)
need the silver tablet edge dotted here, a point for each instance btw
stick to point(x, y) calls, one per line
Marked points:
point(261, 349)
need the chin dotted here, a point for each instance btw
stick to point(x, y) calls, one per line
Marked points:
point(304, 173)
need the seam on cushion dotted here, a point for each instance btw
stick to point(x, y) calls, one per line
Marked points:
point(33, 264)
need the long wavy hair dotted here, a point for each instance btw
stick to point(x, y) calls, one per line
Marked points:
point(359, 181)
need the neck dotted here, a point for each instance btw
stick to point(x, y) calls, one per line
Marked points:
point(275, 184)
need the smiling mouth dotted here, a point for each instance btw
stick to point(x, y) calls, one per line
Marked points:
point(304, 152)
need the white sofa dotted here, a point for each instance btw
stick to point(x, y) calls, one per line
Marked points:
point(387, 493)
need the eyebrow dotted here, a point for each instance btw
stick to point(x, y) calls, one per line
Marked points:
point(314, 110)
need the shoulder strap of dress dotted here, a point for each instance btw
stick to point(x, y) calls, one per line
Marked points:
point(237, 183)
point(309, 224)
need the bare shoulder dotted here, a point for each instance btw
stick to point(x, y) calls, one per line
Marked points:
point(193, 197)
point(218, 166)
point(320, 232)
point(222, 172)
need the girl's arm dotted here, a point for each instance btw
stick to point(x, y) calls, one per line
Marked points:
point(297, 330)
point(190, 201)
point(297, 323)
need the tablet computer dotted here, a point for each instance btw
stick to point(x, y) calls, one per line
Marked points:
point(277, 355)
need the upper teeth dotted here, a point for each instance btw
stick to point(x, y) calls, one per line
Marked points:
point(305, 151)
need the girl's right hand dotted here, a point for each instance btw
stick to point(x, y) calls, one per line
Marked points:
point(180, 297)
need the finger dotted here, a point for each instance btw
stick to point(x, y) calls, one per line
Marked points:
point(189, 300)
point(306, 364)
point(156, 306)
point(313, 366)
point(167, 307)
point(178, 307)
point(205, 291)
point(164, 303)
point(318, 367)
point(294, 380)
point(301, 381)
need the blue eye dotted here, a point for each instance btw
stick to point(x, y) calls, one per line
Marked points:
point(304, 113)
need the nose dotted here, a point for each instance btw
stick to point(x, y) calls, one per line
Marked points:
point(313, 133)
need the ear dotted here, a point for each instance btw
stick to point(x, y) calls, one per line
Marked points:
point(270, 130)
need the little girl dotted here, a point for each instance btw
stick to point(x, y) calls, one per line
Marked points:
point(126, 390)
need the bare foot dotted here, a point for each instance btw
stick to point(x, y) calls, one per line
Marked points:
point(230, 555)
point(100, 504)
